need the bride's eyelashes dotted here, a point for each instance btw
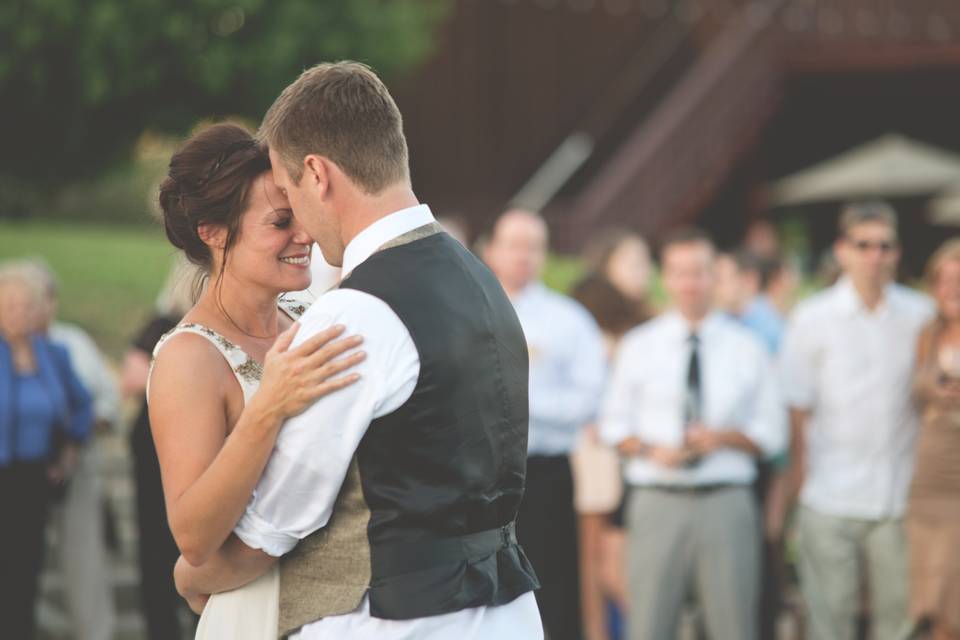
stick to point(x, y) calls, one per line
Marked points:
point(284, 218)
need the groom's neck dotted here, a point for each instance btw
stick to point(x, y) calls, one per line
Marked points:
point(366, 209)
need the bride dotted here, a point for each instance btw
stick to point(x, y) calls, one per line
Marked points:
point(224, 379)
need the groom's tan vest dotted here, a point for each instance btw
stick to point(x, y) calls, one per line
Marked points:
point(328, 573)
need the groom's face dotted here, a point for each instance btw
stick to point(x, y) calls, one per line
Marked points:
point(310, 209)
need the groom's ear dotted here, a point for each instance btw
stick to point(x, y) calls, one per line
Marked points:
point(316, 173)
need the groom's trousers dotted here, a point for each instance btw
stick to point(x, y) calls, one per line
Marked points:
point(547, 531)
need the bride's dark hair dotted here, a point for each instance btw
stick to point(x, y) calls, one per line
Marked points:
point(209, 182)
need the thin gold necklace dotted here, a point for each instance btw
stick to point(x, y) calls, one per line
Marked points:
point(226, 315)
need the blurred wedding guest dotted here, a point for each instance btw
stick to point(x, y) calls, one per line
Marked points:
point(567, 369)
point(779, 282)
point(743, 280)
point(46, 415)
point(933, 508)
point(88, 587)
point(847, 365)
point(623, 258)
point(762, 240)
point(157, 551)
point(751, 290)
point(692, 404)
point(737, 281)
point(615, 293)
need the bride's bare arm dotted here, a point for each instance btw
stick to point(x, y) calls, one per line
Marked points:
point(208, 476)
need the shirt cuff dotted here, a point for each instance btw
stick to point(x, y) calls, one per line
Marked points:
point(257, 533)
point(798, 400)
point(770, 445)
point(613, 433)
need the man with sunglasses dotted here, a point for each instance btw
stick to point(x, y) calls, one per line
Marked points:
point(847, 365)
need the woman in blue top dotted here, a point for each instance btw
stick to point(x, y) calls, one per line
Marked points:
point(44, 413)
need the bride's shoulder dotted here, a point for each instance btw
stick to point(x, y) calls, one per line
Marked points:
point(186, 359)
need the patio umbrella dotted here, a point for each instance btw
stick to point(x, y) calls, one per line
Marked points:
point(890, 166)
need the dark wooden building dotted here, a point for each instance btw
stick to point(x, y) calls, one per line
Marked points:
point(654, 113)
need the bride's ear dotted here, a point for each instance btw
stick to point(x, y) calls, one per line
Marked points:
point(213, 235)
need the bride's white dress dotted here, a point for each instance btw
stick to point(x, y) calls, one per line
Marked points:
point(250, 612)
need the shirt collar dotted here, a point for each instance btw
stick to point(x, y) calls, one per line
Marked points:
point(366, 243)
point(531, 291)
point(681, 330)
point(849, 302)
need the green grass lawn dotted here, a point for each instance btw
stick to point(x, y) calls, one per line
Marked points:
point(110, 275)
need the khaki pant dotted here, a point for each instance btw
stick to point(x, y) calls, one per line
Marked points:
point(700, 544)
point(833, 553)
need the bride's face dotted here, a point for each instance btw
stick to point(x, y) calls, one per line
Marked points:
point(312, 203)
point(272, 248)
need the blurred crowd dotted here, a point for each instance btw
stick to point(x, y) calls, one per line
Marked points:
point(58, 395)
point(716, 457)
point(732, 464)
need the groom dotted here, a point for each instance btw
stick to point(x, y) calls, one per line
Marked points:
point(404, 487)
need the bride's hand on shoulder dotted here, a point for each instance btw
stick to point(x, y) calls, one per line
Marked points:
point(294, 378)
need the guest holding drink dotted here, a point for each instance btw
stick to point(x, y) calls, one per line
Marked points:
point(933, 511)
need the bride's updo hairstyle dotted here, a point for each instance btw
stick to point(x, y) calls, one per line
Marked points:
point(209, 183)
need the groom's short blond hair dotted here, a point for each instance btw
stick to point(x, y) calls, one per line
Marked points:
point(342, 111)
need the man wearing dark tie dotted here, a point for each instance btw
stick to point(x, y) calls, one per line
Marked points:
point(691, 405)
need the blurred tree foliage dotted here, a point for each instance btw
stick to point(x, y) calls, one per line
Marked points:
point(80, 80)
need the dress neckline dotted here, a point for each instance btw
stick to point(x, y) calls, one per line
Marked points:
point(293, 312)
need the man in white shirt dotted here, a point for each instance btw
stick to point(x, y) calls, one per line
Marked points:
point(847, 366)
point(692, 406)
point(431, 441)
point(567, 370)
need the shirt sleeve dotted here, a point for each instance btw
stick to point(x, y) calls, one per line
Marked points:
point(99, 380)
point(767, 426)
point(797, 365)
point(296, 494)
point(577, 400)
point(616, 414)
point(79, 403)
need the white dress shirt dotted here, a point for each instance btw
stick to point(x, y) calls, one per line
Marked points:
point(296, 494)
point(323, 276)
point(91, 368)
point(648, 388)
point(852, 369)
point(567, 368)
